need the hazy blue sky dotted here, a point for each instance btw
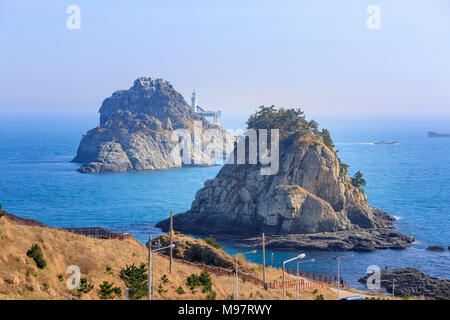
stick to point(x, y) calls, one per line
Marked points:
point(237, 55)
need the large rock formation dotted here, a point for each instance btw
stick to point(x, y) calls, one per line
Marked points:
point(310, 193)
point(135, 131)
point(412, 282)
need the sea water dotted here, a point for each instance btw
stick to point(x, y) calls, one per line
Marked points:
point(409, 180)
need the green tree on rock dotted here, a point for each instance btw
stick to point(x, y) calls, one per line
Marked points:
point(358, 180)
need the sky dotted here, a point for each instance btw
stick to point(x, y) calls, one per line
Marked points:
point(237, 55)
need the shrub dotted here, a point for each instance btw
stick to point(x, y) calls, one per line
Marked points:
point(107, 291)
point(164, 279)
point(211, 295)
point(193, 281)
point(315, 291)
point(60, 277)
point(326, 137)
point(288, 121)
point(2, 213)
point(180, 290)
point(135, 279)
point(204, 279)
point(85, 286)
point(45, 285)
point(108, 270)
point(161, 289)
point(212, 242)
point(36, 254)
point(320, 297)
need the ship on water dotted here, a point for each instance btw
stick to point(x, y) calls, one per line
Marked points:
point(387, 142)
point(432, 134)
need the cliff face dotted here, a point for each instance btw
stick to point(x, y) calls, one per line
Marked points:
point(135, 130)
point(309, 194)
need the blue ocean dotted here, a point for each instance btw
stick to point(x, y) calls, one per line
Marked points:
point(409, 180)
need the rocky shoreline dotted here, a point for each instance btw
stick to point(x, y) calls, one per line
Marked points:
point(411, 282)
point(363, 240)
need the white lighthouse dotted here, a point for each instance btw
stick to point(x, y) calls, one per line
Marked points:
point(194, 101)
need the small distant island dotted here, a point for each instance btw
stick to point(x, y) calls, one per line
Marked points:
point(432, 134)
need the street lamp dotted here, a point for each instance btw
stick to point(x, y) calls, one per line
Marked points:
point(300, 256)
point(236, 278)
point(338, 273)
point(298, 277)
point(151, 269)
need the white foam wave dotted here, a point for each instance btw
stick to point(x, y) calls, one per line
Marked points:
point(354, 143)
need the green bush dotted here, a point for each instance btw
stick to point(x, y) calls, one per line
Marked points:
point(36, 254)
point(164, 279)
point(288, 121)
point(60, 277)
point(108, 270)
point(212, 242)
point(2, 213)
point(180, 290)
point(135, 279)
point(211, 295)
point(161, 289)
point(203, 280)
point(320, 297)
point(326, 137)
point(107, 291)
point(85, 286)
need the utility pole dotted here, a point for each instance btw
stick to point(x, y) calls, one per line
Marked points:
point(338, 279)
point(393, 288)
point(171, 240)
point(264, 260)
point(149, 271)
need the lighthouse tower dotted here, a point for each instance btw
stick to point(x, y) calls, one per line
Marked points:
point(194, 101)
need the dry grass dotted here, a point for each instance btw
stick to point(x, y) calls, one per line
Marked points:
point(21, 279)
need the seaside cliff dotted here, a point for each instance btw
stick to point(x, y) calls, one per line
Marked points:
point(135, 130)
point(310, 203)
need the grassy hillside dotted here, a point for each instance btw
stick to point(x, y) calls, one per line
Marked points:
point(20, 278)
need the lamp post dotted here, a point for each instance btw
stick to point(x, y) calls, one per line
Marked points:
point(338, 273)
point(300, 256)
point(236, 278)
point(298, 275)
point(151, 272)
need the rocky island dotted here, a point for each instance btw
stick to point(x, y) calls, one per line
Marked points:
point(136, 130)
point(310, 202)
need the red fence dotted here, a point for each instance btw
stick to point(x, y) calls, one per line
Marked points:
point(88, 232)
point(303, 285)
point(28, 222)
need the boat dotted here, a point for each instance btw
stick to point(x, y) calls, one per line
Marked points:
point(432, 134)
point(387, 142)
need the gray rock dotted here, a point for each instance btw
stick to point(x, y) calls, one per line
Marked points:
point(436, 248)
point(309, 194)
point(362, 240)
point(412, 282)
point(135, 131)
